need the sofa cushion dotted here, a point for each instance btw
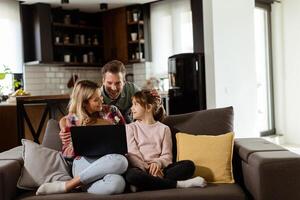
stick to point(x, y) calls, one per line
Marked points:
point(51, 137)
point(247, 146)
point(41, 165)
point(211, 122)
point(211, 192)
point(212, 155)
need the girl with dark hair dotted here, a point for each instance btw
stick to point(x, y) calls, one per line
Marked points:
point(150, 149)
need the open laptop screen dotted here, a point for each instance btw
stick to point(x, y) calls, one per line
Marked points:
point(99, 140)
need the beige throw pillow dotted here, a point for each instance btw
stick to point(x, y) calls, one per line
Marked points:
point(41, 165)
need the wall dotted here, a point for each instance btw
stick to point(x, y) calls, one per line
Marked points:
point(51, 79)
point(48, 79)
point(286, 68)
point(230, 61)
point(10, 40)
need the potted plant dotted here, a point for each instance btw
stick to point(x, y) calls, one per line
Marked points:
point(6, 70)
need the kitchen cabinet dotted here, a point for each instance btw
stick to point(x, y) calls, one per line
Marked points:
point(138, 33)
point(71, 37)
point(115, 35)
point(57, 36)
point(126, 34)
point(77, 37)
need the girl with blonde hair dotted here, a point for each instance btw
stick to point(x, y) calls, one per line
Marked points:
point(94, 175)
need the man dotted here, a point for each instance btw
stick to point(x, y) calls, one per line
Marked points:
point(115, 90)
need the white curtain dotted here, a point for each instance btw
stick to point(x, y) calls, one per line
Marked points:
point(10, 36)
point(171, 32)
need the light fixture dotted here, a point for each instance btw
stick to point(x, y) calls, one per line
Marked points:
point(103, 6)
point(64, 1)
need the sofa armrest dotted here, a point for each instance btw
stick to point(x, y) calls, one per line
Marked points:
point(10, 167)
point(269, 171)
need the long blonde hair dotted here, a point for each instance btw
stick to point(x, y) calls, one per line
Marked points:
point(82, 92)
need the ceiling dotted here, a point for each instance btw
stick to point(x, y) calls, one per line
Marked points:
point(88, 5)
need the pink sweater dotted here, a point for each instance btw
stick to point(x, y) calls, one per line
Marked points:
point(148, 144)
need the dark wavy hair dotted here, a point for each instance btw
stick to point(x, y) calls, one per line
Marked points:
point(145, 97)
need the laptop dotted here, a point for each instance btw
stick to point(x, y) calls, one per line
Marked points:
point(92, 141)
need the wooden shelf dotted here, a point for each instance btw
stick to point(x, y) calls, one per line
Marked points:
point(142, 41)
point(57, 24)
point(77, 45)
point(140, 22)
point(137, 60)
point(77, 64)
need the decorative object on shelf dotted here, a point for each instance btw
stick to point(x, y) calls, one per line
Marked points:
point(135, 15)
point(66, 39)
point(77, 39)
point(91, 57)
point(85, 58)
point(57, 39)
point(89, 41)
point(95, 40)
point(82, 39)
point(67, 19)
point(133, 56)
point(67, 58)
point(133, 36)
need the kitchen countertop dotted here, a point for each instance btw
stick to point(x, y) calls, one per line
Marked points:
point(35, 98)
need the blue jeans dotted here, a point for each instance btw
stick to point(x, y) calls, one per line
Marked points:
point(101, 175)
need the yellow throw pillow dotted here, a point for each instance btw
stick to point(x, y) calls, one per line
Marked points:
point(212, 155)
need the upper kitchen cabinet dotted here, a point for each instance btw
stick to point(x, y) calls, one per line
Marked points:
point(72, 37)
point(115, 35)
point(126, 34)
point(77, 37)
point(57, 36)
point(138, 33)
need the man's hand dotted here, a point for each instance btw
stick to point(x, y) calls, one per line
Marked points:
point(154, 93)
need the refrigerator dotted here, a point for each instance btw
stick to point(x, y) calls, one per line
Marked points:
point(187, 83)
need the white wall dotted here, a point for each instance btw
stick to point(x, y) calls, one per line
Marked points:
point(287, 68)
point(230, 62)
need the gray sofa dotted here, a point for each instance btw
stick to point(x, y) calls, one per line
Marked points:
point(262, 170)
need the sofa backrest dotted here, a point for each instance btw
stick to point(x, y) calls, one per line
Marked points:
point(207, 122)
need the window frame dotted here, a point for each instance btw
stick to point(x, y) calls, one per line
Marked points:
point(267, 7)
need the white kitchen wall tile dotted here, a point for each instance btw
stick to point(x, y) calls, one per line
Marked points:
point(50, 74)
point(54, 69)
point(59, 75)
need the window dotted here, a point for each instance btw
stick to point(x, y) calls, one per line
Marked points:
point(265, 108)
point(171, 32)
point(10, 42)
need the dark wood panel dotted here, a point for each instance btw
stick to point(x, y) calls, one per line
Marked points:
point(197, 18)
point(115, 35)
point(8, 124)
